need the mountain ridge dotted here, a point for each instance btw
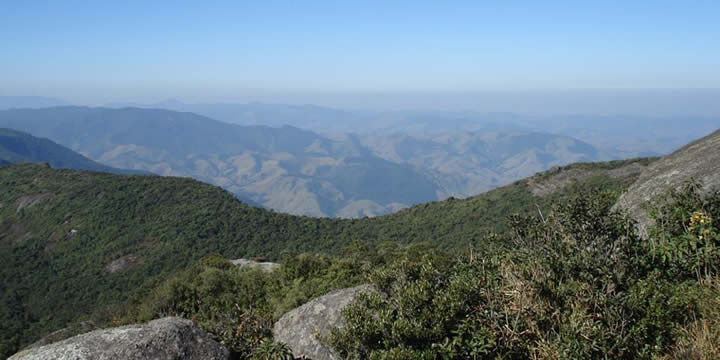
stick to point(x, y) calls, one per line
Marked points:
point(17, 146)
point(624, 135)
point(298, 171)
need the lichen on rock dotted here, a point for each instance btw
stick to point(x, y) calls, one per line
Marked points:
point(162, 339)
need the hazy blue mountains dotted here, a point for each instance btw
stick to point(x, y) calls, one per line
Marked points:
point(468, 163)
point(621, 135)
point(287, 169)
point(19, 147)
point(298, 171)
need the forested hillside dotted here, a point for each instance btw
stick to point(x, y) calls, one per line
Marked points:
point(574, 282)
point(84, 240)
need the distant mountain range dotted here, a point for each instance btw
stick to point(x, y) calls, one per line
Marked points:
point(298, 171)
point(468, 163)
point(620, 135)
point(29, 102)
point(19, 147)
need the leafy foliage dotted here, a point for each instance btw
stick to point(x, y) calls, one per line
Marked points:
point(93, 241)
point(238, 306)
point(686, 239)
point(700, 340)
point(578, 284)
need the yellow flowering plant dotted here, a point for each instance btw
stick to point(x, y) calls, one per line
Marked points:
point(701, 226)
point(685, 239)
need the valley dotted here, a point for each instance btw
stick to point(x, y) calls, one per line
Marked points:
point(296, 171)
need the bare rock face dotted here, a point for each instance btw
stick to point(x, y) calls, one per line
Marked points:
point(250, 263)
point(62, 334)
point(122, 263)
point(29, 201)
point(167, 338)
point(302, 328)
point(699, 160)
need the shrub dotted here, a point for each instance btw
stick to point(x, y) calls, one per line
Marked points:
point(576, 283)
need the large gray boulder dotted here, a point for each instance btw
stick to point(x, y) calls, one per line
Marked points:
point(62, 334)
point(302, 328)
point(167, 338)
point(699, 160)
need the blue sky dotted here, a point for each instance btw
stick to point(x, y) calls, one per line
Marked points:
point(114, 50)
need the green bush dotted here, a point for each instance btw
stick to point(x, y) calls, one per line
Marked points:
point(238, 306)
point(686, 240)
point(575, 283)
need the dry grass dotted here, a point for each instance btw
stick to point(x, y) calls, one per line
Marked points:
point(701, 339)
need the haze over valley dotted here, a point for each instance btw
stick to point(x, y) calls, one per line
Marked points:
point(299, 171)
point(335, 180)
point(312, 160)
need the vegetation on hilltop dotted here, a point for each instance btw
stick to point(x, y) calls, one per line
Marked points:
point(576, 283)
point(60, 230)
point(579, 284)
point(463, 223)
point(75, 242)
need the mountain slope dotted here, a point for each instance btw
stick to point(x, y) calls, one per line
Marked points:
point(16, 146)
point(462, 223)
point(73, 241)
point(699, 161)
point(316, 118)
point(298, 171)
point(469, 163)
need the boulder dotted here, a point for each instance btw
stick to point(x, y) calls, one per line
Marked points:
point(250, 263)
point(166, 338)
point(64, 333)
point(698, 160)
point(302, 328)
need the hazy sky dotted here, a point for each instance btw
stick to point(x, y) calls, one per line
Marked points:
point(101, 51)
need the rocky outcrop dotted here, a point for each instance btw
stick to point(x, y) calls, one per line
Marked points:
point(122, 263)
point(64, 333)
point(548, 182)
point(699, 160)
point(302, 328)
point(249, 263)
point(167, 338)
point(29, 201)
